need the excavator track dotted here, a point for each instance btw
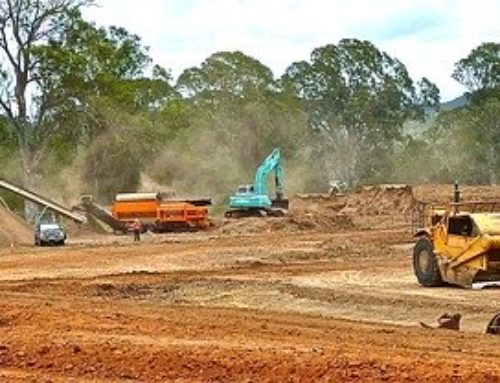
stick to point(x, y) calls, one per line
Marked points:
point(245, 213)
point(260, 213)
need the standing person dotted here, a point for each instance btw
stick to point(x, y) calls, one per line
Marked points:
point(136, 228)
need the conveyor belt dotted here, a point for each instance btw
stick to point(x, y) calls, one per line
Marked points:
point(38, 199)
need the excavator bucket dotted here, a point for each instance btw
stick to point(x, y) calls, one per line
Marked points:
point(280, 203)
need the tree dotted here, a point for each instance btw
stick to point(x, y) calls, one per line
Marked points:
point(238, 94)
point(223, 75)
point(86, 62)
point(465, 141)
point(359, 97)
point(91, 70)
point(24, 25)
point(237, 114)
point(121, 171)
point(468, 142)
point(428, 96)
point(480, 70)
point(61, 72)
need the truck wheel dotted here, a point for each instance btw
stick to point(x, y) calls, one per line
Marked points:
point(425, 264)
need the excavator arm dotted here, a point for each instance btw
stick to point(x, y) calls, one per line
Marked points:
point(270, 164)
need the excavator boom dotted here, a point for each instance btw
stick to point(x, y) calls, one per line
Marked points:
point(271, 163)
point(254, 200)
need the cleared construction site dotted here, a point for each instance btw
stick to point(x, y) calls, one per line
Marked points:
point(327, 291)
point(241, 191)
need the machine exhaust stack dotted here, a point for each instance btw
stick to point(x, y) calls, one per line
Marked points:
point(456, 192)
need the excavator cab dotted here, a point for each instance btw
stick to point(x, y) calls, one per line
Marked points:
point(253, 200)
point(245, 189)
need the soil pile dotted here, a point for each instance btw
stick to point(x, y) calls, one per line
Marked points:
point(443, 193)
point(13, 229)
point(325, 213)
point(368, 200)
point(318, 213)
point(74, 229)
point(319, 221)
point(382, 200)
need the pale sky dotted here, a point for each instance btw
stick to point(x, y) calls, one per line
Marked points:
point(428, 36)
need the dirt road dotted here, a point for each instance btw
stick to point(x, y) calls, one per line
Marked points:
point(217, 307)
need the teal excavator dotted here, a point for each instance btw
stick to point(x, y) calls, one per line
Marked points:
point(253, 200)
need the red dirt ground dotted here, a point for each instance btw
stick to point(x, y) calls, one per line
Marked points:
point(267, 301)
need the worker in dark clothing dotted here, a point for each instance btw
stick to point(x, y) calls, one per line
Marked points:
point(136, 229)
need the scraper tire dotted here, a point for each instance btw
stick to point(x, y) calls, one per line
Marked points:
point(425, 264)
point(494, 325)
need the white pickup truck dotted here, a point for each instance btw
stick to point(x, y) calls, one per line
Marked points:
point(49, 234)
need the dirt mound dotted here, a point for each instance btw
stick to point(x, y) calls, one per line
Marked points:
point(382, 199)
point(13, 229)
point(368, 200)
point(442, 193)
point(90, 228)
point(325, 213)
point(321, 215)
point(319, 221)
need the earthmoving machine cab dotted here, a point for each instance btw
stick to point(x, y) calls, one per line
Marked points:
point(459, 244)
point(253, 200)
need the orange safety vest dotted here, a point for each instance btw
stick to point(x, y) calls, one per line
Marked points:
point(136, 225)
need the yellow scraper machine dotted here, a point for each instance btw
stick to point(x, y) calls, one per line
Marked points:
point(457, 243)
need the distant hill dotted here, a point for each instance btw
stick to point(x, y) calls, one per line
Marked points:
point(417, 128)
point(457, 102)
